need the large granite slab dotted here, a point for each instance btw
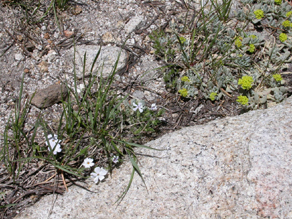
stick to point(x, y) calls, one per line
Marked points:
point(237, 167)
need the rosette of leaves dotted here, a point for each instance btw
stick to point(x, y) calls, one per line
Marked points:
point(279, 55)
point(253, 38)
point(223, 76)
point(242, 61)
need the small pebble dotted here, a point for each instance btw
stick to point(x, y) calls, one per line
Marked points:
point(19, 57)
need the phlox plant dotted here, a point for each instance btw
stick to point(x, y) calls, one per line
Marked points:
point(97, 133)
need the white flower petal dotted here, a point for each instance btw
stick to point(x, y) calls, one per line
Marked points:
point(50, 136)
point(153, 106)
point(54, 144)
point(101, 178)
point(93, 175)
point(57, 149)
point(103, 172)
point(135, 106)
point(96, 180)
point(115, 159)
point(140, 107)
point(98, 174)
point(97, 170)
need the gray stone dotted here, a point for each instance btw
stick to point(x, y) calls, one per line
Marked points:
point(105, 62)
point(236, 167)
point(138, 94)
point(18, 57)
point(133, 24)
point(49, 96)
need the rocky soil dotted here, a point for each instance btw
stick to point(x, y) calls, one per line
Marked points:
point(44, 54)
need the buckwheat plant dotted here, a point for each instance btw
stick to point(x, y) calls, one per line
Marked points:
point(237, 55)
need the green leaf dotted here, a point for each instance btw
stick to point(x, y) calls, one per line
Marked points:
point(120, 199)
point(116, 148)
point(69, 170)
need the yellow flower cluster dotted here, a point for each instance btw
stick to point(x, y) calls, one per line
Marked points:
point(238, 43)
point(242, 100)
point(251, 48)
point(259, 13)
point(253, 36)
point(283, 37)
point(278, 2)
point(213, 96)
point(245, 82)
point(183, 92)
point(289, 13)
point(185, 79)
point(277, 77)
point(287, 23)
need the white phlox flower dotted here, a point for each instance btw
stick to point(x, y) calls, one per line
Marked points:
point(153, 107)
point(98, 174)
point(54, 144)
point(140, 107)
point(115, 159)
point(88, 162)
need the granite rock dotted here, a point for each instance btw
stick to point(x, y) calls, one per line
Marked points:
point(236, 167)
point(104, 63)
point(133, 24)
